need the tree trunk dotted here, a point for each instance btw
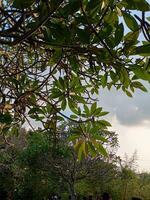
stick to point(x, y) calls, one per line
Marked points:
point(125, 190)
point(72, 191)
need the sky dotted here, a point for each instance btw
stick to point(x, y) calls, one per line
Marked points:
point(130, 119)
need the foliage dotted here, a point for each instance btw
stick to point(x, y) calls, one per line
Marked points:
point(55, 55)
point(35, 170)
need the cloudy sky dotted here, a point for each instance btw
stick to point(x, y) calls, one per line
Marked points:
point(130, 118)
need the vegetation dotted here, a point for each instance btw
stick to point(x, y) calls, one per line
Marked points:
point(37, 169)
point(57, 54)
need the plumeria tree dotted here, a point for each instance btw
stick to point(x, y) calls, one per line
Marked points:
point(57, 54)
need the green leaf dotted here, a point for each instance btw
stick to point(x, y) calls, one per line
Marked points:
point(137, 84)
point(73, 116)
point(99, 137)
point(60, 118)
point(91, 149)
point(74, 63)
point(130, 21)
point(102, 114)
point(111, 18)
point(112, 75)
point(15, 131)
point(124, 77)
point(85, 148)
point(86, 109)
point(141, 5)
point(119, 33)
point(109, 85)
point(97, 112)
point(79, 99)
point(99, 147)
point(73, 137)
point(94, 11)
point(63, 104)
point(82, 151)
point(73, 106)
point(104, 80)
point(20, 4)
point(70, 8)
point(131, 37)
point(93, 107)
point(83, 35)
point(148, 18)
point(5, 118)
point(104, 33)
point(104, 123)
point(128, 93)
point(102, 150)
point(56, 93)
point(57, 54)
point(34, 110)
point(141, 50)
point(142, 74)
point(61, 83)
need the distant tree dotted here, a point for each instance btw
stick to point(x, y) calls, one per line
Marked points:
point(37, 167)
point(61, 159)
point(128, 176)
point(144, 185)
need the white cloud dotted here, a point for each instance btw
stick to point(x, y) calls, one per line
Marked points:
point(128, 111)
point(133, 138)
point(130, 119)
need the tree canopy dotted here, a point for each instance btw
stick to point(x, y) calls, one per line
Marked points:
point(57, 54)
point(35, 169)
